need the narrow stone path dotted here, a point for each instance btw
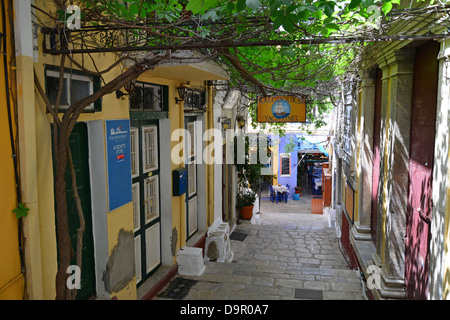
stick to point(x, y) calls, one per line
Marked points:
point(287, 256)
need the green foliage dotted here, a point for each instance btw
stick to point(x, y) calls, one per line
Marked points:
point(249, 171)
point(245, 198)
point(21, 211)
point(319, 17)
point(301, 69)
point(201, 6)
point(134, 10)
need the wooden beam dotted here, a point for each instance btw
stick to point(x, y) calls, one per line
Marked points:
point(262, 43)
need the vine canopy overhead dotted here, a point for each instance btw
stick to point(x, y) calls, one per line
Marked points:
point(267, 46)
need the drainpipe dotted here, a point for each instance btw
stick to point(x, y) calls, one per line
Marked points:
point(27, 147)
point(5, 39)
point(210, 168)
point(183, 227)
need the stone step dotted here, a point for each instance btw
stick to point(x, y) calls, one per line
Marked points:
point(294, 255)
point(232, 281)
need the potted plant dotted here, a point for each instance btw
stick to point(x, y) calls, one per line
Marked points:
point(248, 180)
point(297, 193)
point(245, 200)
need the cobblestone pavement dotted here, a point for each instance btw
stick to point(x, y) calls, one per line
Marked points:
point(284, 254)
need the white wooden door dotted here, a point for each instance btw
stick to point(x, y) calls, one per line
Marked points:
point(191, 193)
point(146, 208)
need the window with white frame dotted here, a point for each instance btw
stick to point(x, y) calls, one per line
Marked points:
point(136, 206)
point(134, 148)
point(191, 142)
point(149, 148)
point(192, 183)
point(285, 164)
point(75, 88)
point(151, 198)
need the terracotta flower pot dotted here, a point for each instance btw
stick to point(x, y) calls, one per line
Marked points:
point(247, 212)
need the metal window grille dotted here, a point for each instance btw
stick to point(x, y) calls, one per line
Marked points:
point(149, 145)
point(146, 97)
point(195, 100)
point(136, 211)
point(151, 198)
point(134, 152)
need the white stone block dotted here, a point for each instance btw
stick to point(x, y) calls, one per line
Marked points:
point(214, 226)
point(256, 219)
point(331, 217)
point(218, 225)
point(217, 244)
point(190, 261)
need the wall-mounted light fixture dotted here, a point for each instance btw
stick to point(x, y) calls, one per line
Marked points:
point(225, 121)
point(120, 94)
point(182, 92)
point(241, 122)
point(129, 87)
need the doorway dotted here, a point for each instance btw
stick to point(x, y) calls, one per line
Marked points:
point(376, 156)
point(79, 148)
point(191, 188)
point(419, 208)
point(146, 197)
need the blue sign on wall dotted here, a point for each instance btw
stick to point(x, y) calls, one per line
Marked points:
point(119, 162)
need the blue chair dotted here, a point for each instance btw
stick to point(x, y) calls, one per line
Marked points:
point(286, 194)
point(280, 196)
point(273, 195)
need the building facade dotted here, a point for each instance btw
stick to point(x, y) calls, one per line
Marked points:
point(292, 154)
point(12, 273)
point(123, 148)
point(390, 169)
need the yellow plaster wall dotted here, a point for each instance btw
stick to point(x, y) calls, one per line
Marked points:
point(176, 116)
point(11, 278)
point(121, 218)
point(275, 161)
point(45, 189)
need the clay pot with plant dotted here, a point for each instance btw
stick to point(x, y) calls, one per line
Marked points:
point(249, 182)
point(246, 201)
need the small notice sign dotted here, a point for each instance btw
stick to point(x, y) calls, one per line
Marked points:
point(349, 200)
point(281, 109)
point(119, 162)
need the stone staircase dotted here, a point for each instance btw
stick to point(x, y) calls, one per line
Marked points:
point(297, 257)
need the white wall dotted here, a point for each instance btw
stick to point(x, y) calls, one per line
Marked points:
point(438, 258)
point(165, 174)
point(217, 111)
point(97, 165)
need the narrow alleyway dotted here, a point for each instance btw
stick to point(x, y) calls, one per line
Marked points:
point(292, 254)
